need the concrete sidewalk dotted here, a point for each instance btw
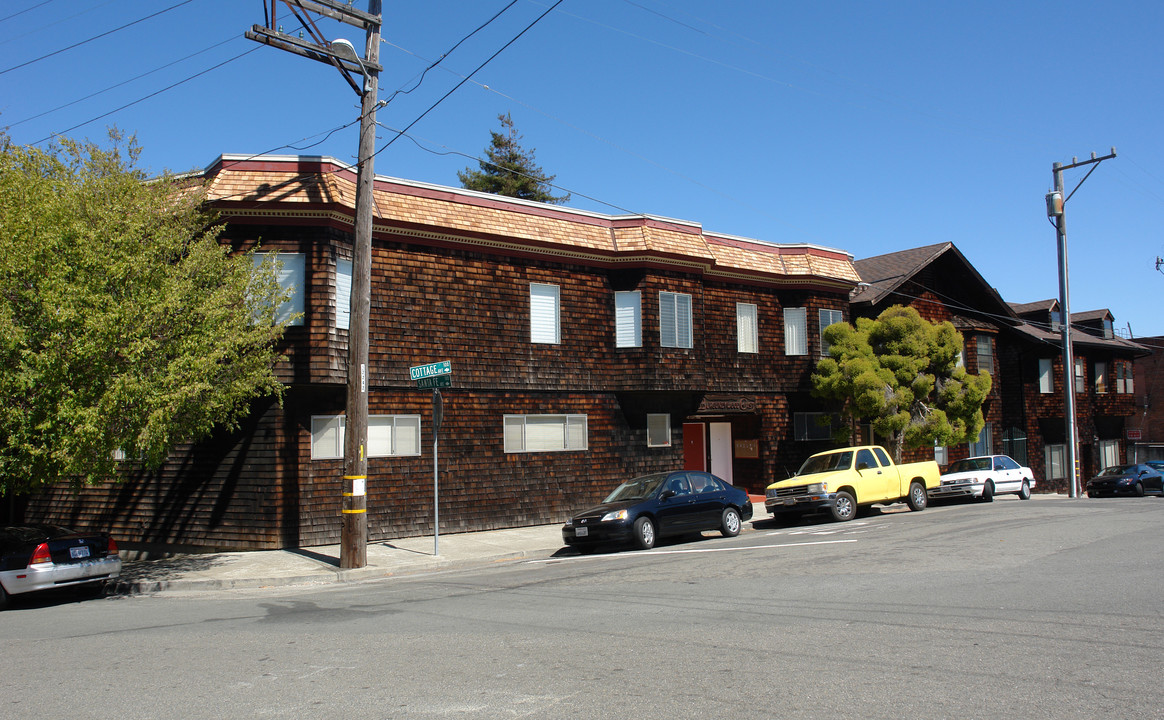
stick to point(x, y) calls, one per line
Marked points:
point(319, 565)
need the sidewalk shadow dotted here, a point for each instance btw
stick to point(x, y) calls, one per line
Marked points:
point(170, 568)
point(319, 557)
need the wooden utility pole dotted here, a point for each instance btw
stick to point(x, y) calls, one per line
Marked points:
point(354, 529)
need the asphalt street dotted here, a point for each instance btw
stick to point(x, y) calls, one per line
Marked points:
point(1048, 608)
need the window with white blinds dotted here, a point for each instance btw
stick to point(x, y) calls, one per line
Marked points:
point(343, 293)
point(795, 331)
point(544, 315)
point(747, 328)
point(291, 275)
point(544, 433)
point(388, 435)
point(628, 319)
point(675, 320)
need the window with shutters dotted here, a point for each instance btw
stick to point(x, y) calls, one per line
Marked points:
point(747, 328)
point(544, 314)
point(628, 319)
point(795, 331)
point(675, 320)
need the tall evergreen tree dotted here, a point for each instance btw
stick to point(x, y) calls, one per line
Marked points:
point(509, 169)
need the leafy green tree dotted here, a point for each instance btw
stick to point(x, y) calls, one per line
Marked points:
point(124, 324)
point(508, 169)
point(901, 374)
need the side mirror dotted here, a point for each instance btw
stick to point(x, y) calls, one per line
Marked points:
point(862, 466)
point(667, 494)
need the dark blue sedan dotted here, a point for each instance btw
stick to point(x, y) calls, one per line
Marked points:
point(642, 510)
point(1126, 480)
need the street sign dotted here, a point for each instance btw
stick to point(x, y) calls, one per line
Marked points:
point(437, 381)
point(444, 367)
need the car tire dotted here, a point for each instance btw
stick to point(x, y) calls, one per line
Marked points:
point(1090, 494)
point(844, 507)
point(1025, 491)
point(917, 498)
point(1139, 490)
point(729, 522)
point(988, 491)
point(644, 533)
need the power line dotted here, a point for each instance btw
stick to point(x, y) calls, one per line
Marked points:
point(27, 9)
point(95, 37)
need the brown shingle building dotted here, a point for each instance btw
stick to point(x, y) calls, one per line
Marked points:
point(585, 348)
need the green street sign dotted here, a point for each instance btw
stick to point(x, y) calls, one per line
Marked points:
point(436, 381)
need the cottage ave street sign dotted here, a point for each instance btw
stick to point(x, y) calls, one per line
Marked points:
point(418, 372)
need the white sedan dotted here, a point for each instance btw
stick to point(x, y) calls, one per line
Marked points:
point(984, 477)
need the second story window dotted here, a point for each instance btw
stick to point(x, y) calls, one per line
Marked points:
point(628, 319)
point(795, 331)
point(291, 274)
point(1100, 378)
point(1080, 376)
point(1124, 377)
point(675, 320)
point(343, 293)
point(985, 354)
point(544, 314)
point(747, 332)
point(1046, 377)
point(828, 317)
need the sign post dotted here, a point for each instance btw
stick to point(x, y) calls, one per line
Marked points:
point(434, 375)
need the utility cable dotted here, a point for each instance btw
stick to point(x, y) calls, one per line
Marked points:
point(95, 37)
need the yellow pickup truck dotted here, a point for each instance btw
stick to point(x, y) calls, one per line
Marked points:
point(840, 481)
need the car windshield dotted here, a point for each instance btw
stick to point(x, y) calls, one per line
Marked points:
point(637, 489)
point(1118, 470)
point(827, 463)
point(969, 464)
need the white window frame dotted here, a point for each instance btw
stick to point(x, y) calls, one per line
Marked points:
point(388, 436)
point(343, 293)
point(544, 433)
point(747, 328)
point(1124, 381)
point(545, 309)
point(658, 430)
point(795, 331)
point(675, 320)
point(292, 275)
point(1102, 381)
point(1055, 462)
point(826, 317)
point(1046, 375)
point(1080, 376)
point(1109, 453)
point(628, 319)
point(984, 351)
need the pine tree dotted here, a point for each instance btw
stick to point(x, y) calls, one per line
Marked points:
point(508, 169)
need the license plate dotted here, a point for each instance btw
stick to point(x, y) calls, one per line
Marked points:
point(789, 501)
point(79, 552)
point(581, 532)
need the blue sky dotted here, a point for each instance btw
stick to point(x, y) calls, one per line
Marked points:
point(869, 127)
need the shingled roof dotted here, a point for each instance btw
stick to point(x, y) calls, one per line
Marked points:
point(322, 188)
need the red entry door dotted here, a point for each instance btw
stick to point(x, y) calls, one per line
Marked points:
point(694, 447)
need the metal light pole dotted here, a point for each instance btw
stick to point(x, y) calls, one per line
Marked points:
point(1055, 210)
point(354, 528)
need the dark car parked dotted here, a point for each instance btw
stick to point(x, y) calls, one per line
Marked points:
point(41, 557)
point(1132, 479)
point(647, 508)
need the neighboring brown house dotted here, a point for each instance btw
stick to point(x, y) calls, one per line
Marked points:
point(1145, 428)
point(585, 349)
point(1020, 345)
